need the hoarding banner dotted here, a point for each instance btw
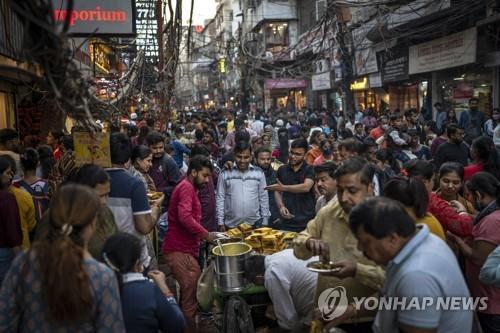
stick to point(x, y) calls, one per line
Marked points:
point(394, 65)
point(446, 52)
point(285, 83)
point(321, 81)
point(97, 17)
point(92, 148)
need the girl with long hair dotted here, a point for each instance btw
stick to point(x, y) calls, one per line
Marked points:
point(56, 285)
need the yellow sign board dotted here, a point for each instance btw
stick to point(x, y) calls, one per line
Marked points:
point(92, 148)
point(360, 84)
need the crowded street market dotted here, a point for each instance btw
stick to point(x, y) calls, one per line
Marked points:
point(260, 166)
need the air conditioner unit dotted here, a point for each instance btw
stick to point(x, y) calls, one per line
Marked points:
point(322, 66)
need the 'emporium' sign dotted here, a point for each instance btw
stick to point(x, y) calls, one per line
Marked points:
point(97, 17)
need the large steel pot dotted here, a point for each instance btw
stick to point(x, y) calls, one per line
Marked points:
point(230, 267)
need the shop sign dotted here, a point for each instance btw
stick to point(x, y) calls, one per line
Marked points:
point(321, 81)
point(450, 51)
point(92, 148)
point(99, 54)
point(366, 61)
point(394, 65)
point(375, 80)
point(285, 83)
point(147, 28)
point(361, 84)
point(97, 17)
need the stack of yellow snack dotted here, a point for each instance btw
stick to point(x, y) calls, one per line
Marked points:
point(245, 228)
point(234, 233)
point(263, 240)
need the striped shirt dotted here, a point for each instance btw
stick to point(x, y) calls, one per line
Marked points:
point(241, 197)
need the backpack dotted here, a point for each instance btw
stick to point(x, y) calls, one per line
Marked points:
point(40, 194)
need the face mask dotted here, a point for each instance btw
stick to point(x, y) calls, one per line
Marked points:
point(496, 117)
point(385, 127)
point(327, 152)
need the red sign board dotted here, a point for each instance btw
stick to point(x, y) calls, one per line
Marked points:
point(97, 17)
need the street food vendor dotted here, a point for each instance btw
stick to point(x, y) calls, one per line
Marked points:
point(290, 286)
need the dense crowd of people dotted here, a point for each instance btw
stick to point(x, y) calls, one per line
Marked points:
point(402, 206)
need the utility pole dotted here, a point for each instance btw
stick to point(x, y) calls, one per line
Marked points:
point(243, 63)
point(344, 40)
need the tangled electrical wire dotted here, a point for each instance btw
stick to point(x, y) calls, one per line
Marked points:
point(46, 44)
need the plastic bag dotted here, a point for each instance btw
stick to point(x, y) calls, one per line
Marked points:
point(205, 291)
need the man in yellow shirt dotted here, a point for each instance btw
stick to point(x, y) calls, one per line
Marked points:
point(329, 236)
point(26, 206)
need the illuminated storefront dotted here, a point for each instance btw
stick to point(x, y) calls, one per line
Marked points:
point(285, 93)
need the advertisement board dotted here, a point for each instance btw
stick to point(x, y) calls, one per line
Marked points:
point(97, 17)
point(394, 65)
point(321, 81)
point(92, 148)
point(446, 52)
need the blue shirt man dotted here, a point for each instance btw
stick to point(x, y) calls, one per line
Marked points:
point(424, 285)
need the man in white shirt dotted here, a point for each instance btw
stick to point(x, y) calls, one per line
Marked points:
point(291, 286)
point(257, 125)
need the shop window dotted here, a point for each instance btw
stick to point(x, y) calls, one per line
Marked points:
point(276, 36)
point(403, 97)
point(7, 115)
point(457, 88)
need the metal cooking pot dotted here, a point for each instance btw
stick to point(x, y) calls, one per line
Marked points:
point(230, 267)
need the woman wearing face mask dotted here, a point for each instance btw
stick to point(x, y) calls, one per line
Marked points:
point(492, 123)
point(141, 162)
point(484, 190)
point(148, 306)
point(326, 153)
point(451, 177)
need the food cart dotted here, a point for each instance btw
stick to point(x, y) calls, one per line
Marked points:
point(231, 290)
